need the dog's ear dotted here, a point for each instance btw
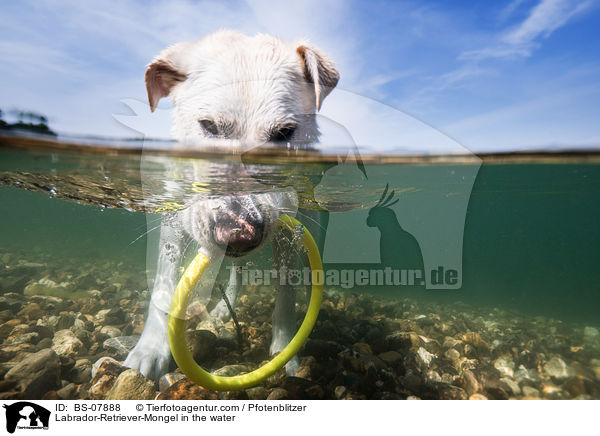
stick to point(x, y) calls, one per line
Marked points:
point(162, 75)
point(318, 69)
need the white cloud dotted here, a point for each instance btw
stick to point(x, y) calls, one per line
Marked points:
point(544, 18)
point(510, 9)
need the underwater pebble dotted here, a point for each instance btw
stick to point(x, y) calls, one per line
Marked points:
point(67, 392)
point(131, 385)
point(47, 286)
point(434, 377)
point(104, 375)
point(390, 357)
point(257, 393)
point(452, 354)
point(185, 389)
point(551, 390)
point(65, 343)
point(363, 348)
point(81, 371)
point(111, 331)
point(120, 347)
point(278, 394)
point(106, 365)
point(36, 374)
point(557, 368)
point(474, 339)
point(24, 338)
point(308, 367)
point(403, 340)
point(169, 379)
point(231, 370)
point(201, 344)
point(522, 374)
point(340, 392)
point(425, 356)
point(112, 316)
point(32, 311)
point(528, 391)
point(575, 386)
point(469, 382)
point(450, 392)
point(512, 385)
point(505, 365)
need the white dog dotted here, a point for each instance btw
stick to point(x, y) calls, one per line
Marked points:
point(232, 90)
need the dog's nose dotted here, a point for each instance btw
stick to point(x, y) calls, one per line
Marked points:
point(238, 229)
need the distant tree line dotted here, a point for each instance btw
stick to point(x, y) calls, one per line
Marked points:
point(29, 121)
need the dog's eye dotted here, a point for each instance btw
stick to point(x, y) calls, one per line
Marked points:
point(209, 126)
point(282, 134)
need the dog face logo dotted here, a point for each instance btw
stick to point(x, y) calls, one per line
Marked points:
point(26, 415)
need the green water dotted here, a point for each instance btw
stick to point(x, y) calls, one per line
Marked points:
point(531, 237)
point(493, 266)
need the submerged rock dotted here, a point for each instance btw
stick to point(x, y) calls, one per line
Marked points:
point(131, 385)
point(474, 339)
point(104, 374)
point(425, 356)
point(505, 365)
point(81, 371)
point(49, 287)
point(278, 394)
point(231, 370)
point(169, 379)
point(201, 344)
point(114, 316)
point(528, 391)
point(36, 374)
point(65, 343)
point(257, 393)
point(186, 390)
point(119, 347)
point(469, 382)
point(391, 357)
point(557, 368)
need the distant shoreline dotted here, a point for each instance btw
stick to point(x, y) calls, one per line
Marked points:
point(132, 147)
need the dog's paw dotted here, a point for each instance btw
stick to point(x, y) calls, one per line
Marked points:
point(291, 368)
point(151, 358)
point(221, 311)
point(281, 339)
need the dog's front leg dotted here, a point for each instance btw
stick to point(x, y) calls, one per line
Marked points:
point(221, 310)
point(284, 314)
point(152, 356)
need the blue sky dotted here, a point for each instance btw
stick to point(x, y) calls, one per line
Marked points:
point(492, 75)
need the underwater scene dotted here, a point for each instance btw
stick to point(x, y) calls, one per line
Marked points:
point(444, 277)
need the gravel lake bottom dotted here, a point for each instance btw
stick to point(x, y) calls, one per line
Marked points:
point(66, 326)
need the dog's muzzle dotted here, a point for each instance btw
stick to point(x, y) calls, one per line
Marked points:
point(240, 229)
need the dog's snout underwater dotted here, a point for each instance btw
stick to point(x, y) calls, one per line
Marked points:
point(239, 229)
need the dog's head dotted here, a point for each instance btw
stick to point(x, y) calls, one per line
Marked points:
point(232, 90)
point(228, 86)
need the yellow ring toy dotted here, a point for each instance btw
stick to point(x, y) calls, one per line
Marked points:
point(180, 301)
